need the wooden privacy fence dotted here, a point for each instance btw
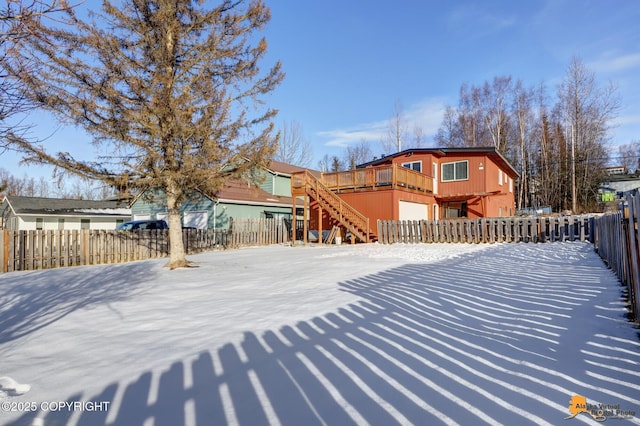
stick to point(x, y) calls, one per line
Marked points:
point(487, 230)
point(618, 244)
point(31, 250)
point(251, 232)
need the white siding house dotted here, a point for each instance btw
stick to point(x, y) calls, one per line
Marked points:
point(36, 213)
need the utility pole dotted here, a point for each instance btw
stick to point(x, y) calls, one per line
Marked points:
point(574, 198)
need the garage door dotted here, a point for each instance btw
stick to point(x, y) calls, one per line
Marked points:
point(195, 220)
point(413, 211)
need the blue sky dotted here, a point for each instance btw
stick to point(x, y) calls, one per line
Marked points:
point(348, 62)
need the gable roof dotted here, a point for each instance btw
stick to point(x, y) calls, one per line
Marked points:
point(278, 167)
point(489, 151)
point(241, 191)
point(58, 206)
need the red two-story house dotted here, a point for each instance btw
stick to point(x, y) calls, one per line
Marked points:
point(413, 184)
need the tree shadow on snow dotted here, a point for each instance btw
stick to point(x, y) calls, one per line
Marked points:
point(28, 305)
point(502, 336)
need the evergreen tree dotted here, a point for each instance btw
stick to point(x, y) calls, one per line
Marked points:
point(169, 91)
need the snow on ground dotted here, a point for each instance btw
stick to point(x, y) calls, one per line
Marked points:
point(365, 334)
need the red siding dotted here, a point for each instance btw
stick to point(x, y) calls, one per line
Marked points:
point(425, 159)
point(482, 191)
point(382, 205)
point(474, 184)
point(374, 205)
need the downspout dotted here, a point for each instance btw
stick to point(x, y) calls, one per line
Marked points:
point(215, 217)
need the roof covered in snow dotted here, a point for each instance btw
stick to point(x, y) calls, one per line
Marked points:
point(58, 206)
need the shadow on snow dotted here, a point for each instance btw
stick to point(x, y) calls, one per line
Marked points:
point(48, 296)
point(504, 336)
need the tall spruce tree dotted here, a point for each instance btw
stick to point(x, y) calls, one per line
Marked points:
point(169, 90)
point(12, 102)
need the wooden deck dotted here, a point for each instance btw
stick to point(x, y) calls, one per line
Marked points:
point(377, 178)
point(310, 187)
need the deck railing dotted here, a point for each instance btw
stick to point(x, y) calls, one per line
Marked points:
point(304, 183)
point(380, 177)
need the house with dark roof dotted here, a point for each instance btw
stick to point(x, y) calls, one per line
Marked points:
point(240, 199)
point(616, 186)
point(19, 213)
point(414, 184)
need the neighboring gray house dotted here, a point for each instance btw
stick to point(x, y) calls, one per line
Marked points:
point(239, 200)
point(617, 185)
point(19, 213)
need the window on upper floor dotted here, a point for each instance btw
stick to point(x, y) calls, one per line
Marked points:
point(500, 177)
point(457, 170)
point(413, 165)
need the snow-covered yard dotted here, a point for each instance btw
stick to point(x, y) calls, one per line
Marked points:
point(366, 334)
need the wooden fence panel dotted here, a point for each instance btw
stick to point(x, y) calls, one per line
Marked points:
point(487, 230)
point(31, 250)
point(617, 241)
point(633, 252)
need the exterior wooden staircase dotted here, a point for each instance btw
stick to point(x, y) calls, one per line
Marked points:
point(306, 184)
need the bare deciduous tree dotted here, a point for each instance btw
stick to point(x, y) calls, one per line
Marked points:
point(560, 151)
point(169, 91)
point(629, 156)
point(419, 138)
point(75, 187)
point(293, 147)
point(448, 134)
point(357, 154)
point(396, 131)
point(586, 111)
point(525, 123)
point(494, 102)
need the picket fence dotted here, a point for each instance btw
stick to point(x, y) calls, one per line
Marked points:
point(32, 250)
point(487, 230)
point(618, 244)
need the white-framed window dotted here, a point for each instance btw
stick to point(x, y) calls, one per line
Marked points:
point(500, 177)
point(457, 170)
point(413, 165)
point(510, 185)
